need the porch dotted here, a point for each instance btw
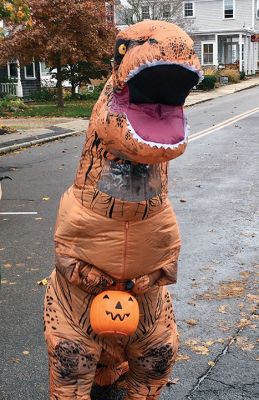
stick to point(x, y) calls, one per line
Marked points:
point(9, 89)
point(237, 51)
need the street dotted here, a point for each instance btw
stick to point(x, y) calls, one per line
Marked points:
point(214, 191)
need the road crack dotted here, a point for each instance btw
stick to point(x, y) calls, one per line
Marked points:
point(217, 359)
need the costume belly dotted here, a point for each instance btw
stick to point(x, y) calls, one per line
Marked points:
point(122, 249)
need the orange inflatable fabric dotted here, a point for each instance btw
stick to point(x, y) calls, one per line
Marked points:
point(116, 229)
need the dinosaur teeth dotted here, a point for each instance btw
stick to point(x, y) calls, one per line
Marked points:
point(153, 63)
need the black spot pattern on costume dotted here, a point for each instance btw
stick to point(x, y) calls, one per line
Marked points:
point(161, 359)
point(71, 358)
point(120, 120)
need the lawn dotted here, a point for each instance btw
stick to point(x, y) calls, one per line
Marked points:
point(49, 109)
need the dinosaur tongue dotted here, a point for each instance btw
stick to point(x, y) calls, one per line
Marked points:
point(157, 123)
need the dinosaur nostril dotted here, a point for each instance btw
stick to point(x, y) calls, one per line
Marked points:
point(118, 306)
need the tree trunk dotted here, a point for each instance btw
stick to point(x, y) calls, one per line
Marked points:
point(73, 89)
point(59, 85)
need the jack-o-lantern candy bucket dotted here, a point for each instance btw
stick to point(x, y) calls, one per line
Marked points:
point(114, 312)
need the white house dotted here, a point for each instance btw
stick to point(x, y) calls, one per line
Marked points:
point(225, 32)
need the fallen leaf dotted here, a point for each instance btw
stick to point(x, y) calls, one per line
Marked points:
point(247, 347)
point(253, 297)
point(15, 360)
point(211, 363)
point(243, 322)
point(174, 381)
point(7, 265)
point(222, 309)
point(191, 322)
point(43, 282)
point(45, 198)
point(2, 249)
point(182, 357)
point(25, 352)
point(191, 342)
point(245, 274)
point(209, 343)
point(203, 350)
point(191, 303)
point(231, 289)
point(248, 234)
point(220, 340)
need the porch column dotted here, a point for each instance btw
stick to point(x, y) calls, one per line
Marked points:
point(245, 56)
point(19, 82)
point(251, 59)
point(216, 51)
point(240, 53)
point(254, 57)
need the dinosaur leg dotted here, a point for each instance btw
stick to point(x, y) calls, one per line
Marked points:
point(152, 355)
point(113, 363)
point(73, 354)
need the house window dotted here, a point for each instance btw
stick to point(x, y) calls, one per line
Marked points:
point(44, 69)
point(145, 12)
point(12, 70)
point(29, 71)
point(207, 53)
point(166, 11)
point(228, 9)
point(188, 10)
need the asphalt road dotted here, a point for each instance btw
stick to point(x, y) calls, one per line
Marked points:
point(214, 190)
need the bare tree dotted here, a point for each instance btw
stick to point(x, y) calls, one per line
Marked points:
point(131, 11)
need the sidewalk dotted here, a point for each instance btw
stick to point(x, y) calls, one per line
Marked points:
point(32, 131)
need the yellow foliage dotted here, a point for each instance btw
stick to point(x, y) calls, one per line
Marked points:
point(210, 71)
point(233, 75)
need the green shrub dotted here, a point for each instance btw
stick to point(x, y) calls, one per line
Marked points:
point(44, 94)
point(84, 95)
point(11, 104)
point(208, 82)
point(242, 75)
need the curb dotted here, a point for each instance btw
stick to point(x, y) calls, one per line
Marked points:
point(24, 145)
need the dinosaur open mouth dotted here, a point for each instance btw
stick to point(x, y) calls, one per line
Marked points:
point(114, 317)
point(153, 100)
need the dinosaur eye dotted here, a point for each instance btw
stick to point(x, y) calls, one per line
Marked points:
point(122, 49)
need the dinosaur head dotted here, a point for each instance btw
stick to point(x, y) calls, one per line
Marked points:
point(155, 67)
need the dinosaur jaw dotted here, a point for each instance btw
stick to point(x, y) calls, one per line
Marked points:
point(152, 101)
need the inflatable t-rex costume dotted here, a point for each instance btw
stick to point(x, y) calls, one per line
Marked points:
point(115, 224)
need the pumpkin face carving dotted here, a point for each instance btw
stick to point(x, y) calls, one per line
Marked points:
point(114, 312)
